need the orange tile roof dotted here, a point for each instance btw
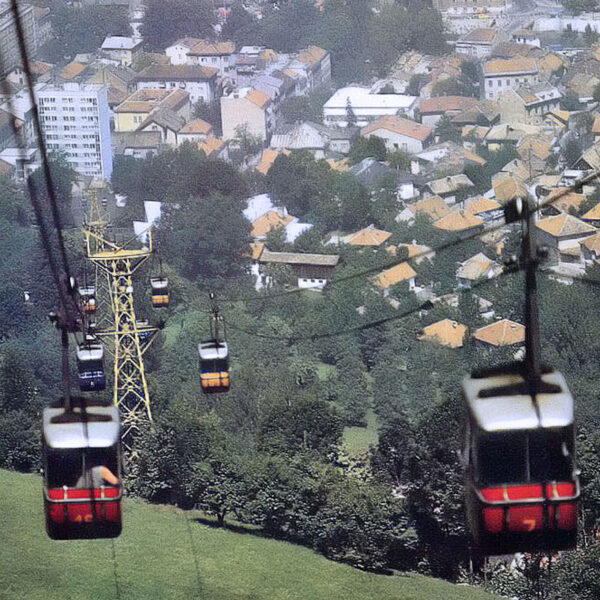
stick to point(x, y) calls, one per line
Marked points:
point(268, 221)
point(481, 205)
point(204, 48)
point(312, 55)
point(399, 125)
point(446, 104)
point(369, 236)
point(136, 106)
point(210, 145)
point(390, 277)
point(434, 207)
point(197, 126)
point(564, 225)
point(458, 220)
point(72, 70)
point(445, 332)
point(566, 200)
point(521, 64)
point(474, 158)
point(541, 147)
point(413, 250)
point(259, 98)
point(338, 165)
point(268, 158)
point(482, 34)
point(476, 267)
point(593, 214)
point(501, 333)
point(592, 243)
point(508, 188)
point(257, 249)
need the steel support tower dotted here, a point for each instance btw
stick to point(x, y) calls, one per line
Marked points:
point(130, 337)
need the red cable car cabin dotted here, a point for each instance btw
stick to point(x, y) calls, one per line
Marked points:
point(522, 485)
point(82, 470)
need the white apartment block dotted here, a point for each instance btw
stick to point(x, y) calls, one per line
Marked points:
point(9, 43)
point(502, 75)
point(76, 122)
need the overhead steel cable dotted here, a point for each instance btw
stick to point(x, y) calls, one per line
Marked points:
point(40, 138)
point(422, 254)
point(428, 305)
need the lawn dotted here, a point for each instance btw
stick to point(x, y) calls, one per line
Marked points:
point(154, 559)
point(358, 439)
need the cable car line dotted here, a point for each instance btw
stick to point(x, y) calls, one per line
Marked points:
point(427, 305)
point(424, 253)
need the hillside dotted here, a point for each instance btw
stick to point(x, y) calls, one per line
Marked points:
point(155, 560)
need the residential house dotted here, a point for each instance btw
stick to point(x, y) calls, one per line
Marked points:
point(275, 219)
point(214, 148)
point(501, 75)
point(596, 129)
point(500, 333)
point(311, 271)
point(165, 121)
point(370, 172)
point(508, 133)
point(398, 274)
point(527, 37)
point(562, 235)
point(118, 79)
point(485, 208)
point(589, 160)
point(177, 52)
point(417, 252)
point(11, 54)
point(452, 188)
point(484, 113)
point(400, 134)
point(445, 157)
point(137, 107)
point(566, 202)
point(43, 25)
point(475, 268)
point(507, 187)
point(267, 159)
point(247, 107)
point(446, 332)
point(433, 207)
point(534, 151)
point(431, 110)
point(315, 138)
point(19, 163)
point(478, 43)
point(314, 65)
point(529, 104)
point(7, 134)
point(368, 236)
point(583, 85)
point(139, 144)
point(366, 106)
point(461, 223)
point(199, 82)
point(122, 50)
point(590, 249)
point(216, 55)
point(195, 131)
point(73, 71)
point(592, 215)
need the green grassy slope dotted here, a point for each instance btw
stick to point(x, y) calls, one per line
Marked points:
point(154, 559)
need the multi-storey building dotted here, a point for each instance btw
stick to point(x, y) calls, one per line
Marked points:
point(76, 122)
point(502, 75)
point(9, 43)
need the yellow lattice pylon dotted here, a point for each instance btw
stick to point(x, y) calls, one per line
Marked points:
point(130, 338)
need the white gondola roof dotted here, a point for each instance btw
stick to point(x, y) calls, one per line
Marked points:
point(87, 291)
point(507, 412)
point(159, 283)
point(75, 433)
point(210, 351)
point(95, 352)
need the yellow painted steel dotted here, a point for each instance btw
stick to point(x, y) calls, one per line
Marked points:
point(130, 339)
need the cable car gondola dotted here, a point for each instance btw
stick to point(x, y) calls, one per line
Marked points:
point(82, 470)
point(160, 292)
point(214, 366)
point(522, 483)
point(88, 299)
point(90, 366)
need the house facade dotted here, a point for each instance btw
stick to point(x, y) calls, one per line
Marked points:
point(400, 134)
point(504, 74)
point(249, 107)
point(529, 104)
point(199, 82)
